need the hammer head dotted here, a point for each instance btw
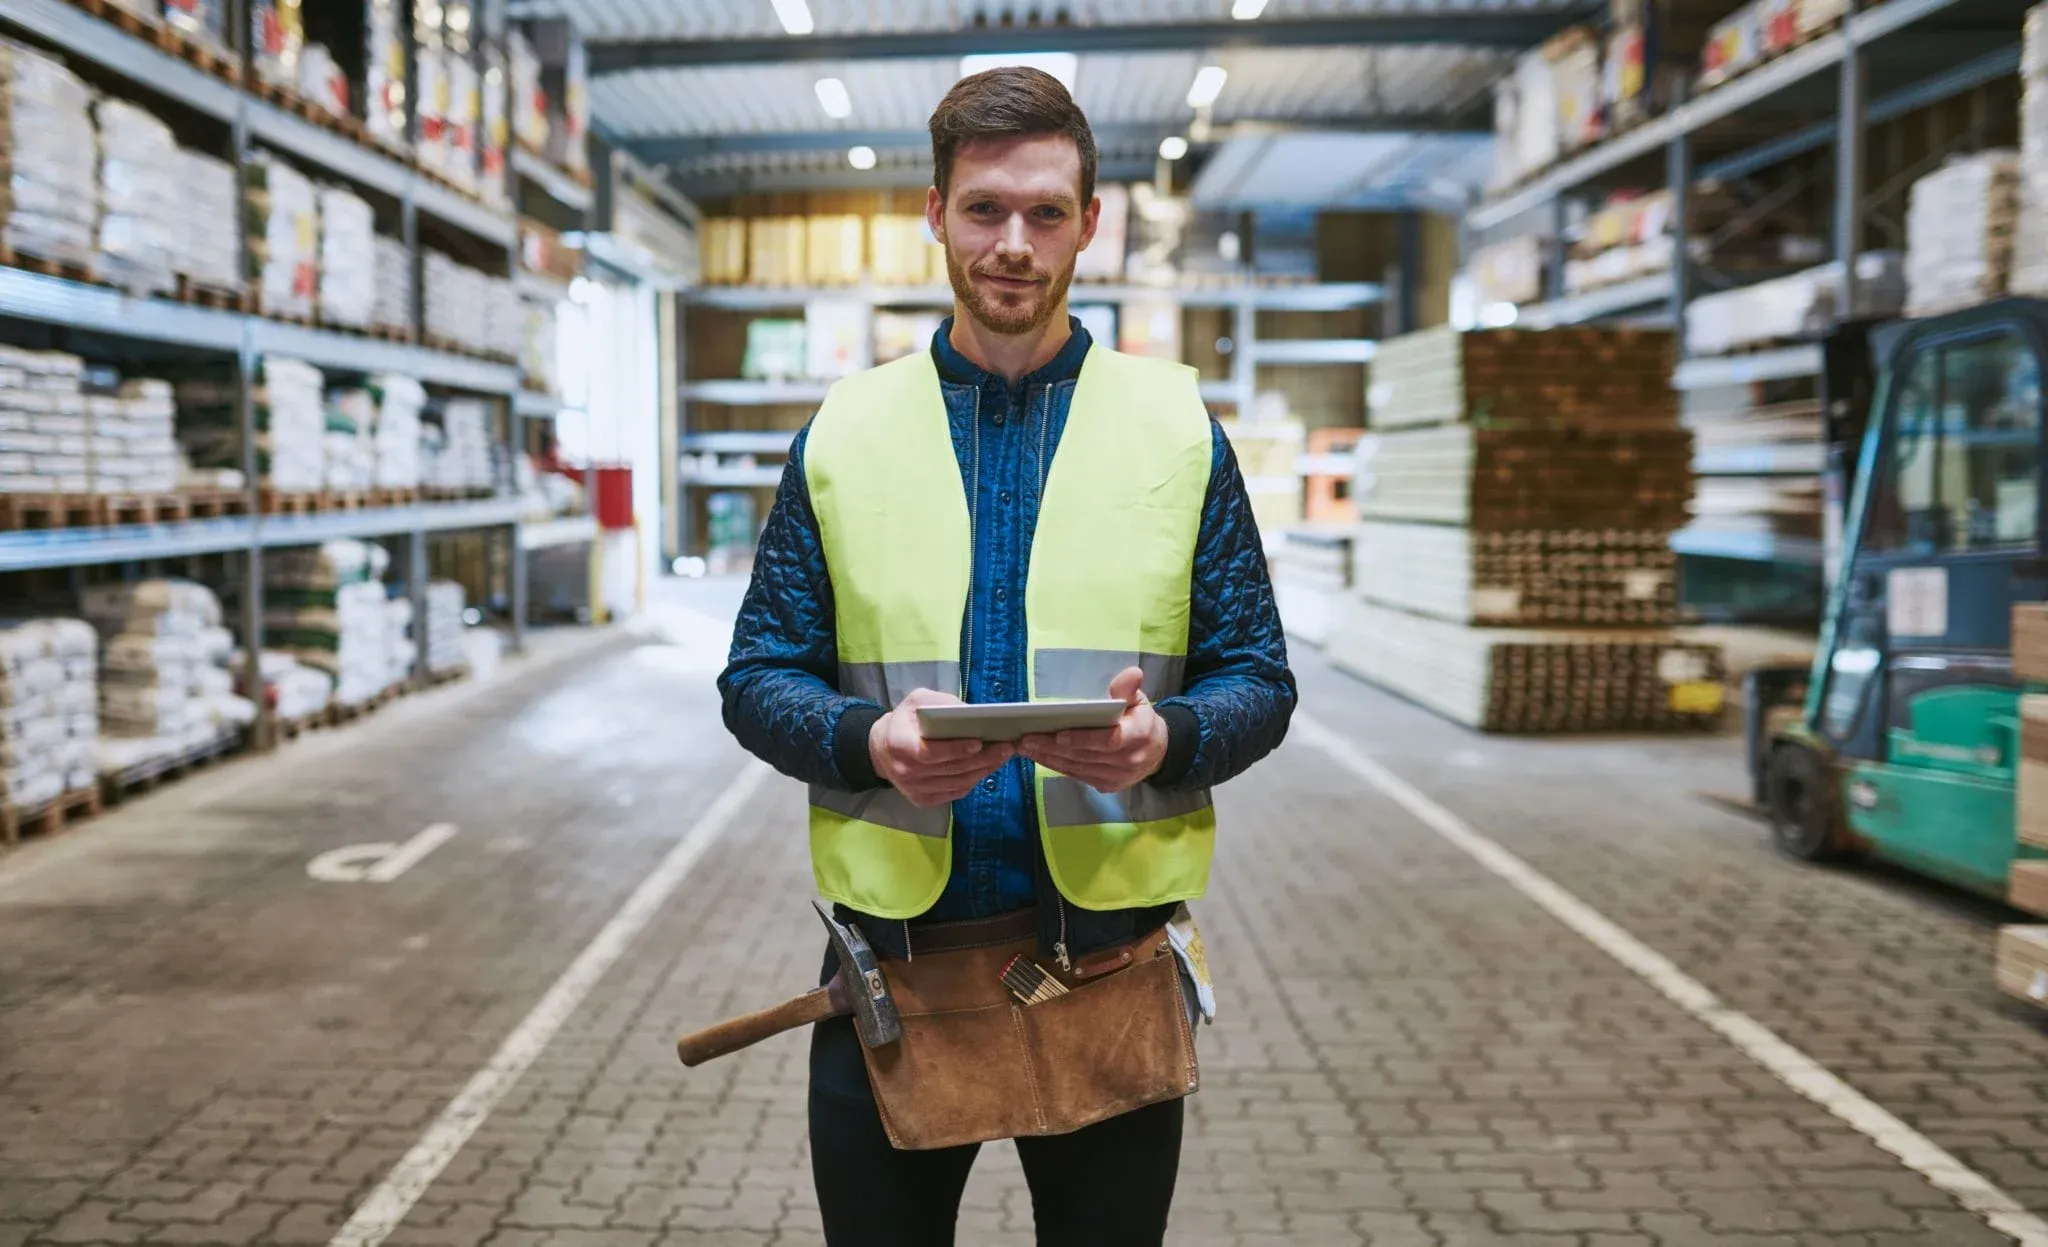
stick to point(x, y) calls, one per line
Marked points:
point(874, 1009)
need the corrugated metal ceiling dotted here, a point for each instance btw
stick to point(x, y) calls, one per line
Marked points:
point(1266, 84)
point(713, 19)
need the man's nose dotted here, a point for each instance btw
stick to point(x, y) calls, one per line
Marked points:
point(1014, 241)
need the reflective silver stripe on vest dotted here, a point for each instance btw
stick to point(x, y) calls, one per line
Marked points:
point(886, 683)
point(1071, 803)
point(1084, 674)
point(885, 807)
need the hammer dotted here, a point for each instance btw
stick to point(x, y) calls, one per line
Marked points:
point(858, 989)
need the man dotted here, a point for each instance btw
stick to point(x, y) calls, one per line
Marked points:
point(1018, 513)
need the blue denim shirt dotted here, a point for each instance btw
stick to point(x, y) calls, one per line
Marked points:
point(780, 686)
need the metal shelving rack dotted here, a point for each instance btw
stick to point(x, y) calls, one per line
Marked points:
point(1239, 390)
point(109, 314)
point(1844, 52)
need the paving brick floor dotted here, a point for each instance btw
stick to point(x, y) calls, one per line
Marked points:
point(201, 1044)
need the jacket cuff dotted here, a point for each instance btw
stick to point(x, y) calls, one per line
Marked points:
point(1183, 737)
point(850, 746)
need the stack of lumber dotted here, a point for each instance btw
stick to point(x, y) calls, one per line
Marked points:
point(1516, 483)
point(2029, 880)
point(1959, 232)
point(1311, 575)
point(2023, 963)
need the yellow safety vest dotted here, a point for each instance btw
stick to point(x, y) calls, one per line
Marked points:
point(1112, 563)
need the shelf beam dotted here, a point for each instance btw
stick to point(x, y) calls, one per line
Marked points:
point(1577, 309)
point(562, 188)
point(1323, 297)
point(1781, 364)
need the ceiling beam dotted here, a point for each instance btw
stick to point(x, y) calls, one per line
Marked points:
point(1513, 31)
point(1109, 137)
point(725, 185)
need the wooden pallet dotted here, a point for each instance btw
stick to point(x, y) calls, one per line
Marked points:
point(145, 28)
point(347, 125)
point(344, 499)
point(67, 269)
point(383, 497)
point(207, 57)
point(50, 819)
point(147, 776)
point(434, 679)
point(393, 333)
point(36, 512)
point(201, 295)
point(213, 504)
point(147, 508)
point(289, 502)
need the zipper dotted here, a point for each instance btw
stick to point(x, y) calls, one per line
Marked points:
point(973, 536)
point(909, 953)
point(1059, 947)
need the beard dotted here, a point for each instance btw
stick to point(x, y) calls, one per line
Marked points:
point(1021, 313)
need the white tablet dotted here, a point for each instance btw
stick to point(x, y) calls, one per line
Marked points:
point(1007, 721)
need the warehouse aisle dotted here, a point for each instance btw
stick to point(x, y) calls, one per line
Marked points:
point(202, 1043)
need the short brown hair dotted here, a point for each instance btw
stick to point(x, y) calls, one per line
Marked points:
point(999, 103)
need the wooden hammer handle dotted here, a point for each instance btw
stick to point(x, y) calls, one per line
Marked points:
point(730, 1036)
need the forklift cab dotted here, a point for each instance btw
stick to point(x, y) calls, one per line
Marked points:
point(1908, 744)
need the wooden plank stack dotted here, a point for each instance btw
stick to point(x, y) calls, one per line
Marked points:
point(2023, 963)
point(1519, 482)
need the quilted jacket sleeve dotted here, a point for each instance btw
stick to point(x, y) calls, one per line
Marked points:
point(780, 684)
point(1240, 692)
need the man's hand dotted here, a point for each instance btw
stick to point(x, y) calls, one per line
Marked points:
point(1110, 759)
point(929, 772)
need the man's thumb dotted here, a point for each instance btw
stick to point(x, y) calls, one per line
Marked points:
point(1128, 686)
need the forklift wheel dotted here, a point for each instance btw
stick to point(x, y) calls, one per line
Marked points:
point(1799, 797)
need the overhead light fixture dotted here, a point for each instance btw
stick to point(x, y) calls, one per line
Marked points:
point(795, 16)
point(832, 97)
point(1061, 65)
point(1208, 85)
point(1173, 147)
point(1247, 10)
point(861, 157)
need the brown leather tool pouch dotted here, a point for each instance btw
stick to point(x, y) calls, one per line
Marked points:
point(974, 1064)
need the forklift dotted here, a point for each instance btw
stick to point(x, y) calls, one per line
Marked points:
point(1902, 740)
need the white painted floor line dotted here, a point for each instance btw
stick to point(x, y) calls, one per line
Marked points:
point(380, 1214)
point(1794, 1068)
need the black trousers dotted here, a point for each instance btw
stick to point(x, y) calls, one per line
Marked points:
point(1109, 1185)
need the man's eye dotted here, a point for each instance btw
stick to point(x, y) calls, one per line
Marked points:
point(1051, 214)
point(981, 209)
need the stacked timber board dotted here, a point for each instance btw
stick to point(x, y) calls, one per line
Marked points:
point(2022, 962)
point(1518, 482)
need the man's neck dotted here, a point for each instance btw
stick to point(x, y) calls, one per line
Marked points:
point(1011, 356)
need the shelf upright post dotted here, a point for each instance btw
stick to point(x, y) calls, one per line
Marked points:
point(1678, 176)
point(416, 573)
point(1849, 155)
point(1409, 237)
point(516, 573)
point(264, 735)
point(1553, 268)
point(672, 468)
point(1244, 332)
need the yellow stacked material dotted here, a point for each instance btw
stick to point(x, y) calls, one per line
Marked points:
point(724, 247)
point(835, 250)
point(775, 251)
point(2030, 641)
point(2030, 814)
point(2023, 963)
point(899, 254)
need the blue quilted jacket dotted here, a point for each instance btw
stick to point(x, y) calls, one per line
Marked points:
point(780, 685)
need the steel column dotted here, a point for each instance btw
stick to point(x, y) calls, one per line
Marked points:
point(1678, 176)
point(1849, 140)
point(1409, 238)
point(517, 575)
point(416, 574)
point(1553, 268)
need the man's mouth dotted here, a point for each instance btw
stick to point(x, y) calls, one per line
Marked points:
point(1003, 282)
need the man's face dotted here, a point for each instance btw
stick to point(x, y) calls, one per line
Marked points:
point(1012, 226)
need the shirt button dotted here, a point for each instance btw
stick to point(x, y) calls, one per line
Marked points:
point(1005, 495)
point(1002, 595)
point(1000, 417)
point(989, 783)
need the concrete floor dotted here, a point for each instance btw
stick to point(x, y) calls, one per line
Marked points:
point(202, 1043)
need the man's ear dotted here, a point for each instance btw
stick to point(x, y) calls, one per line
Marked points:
point(935, 212)
point(1090, 217)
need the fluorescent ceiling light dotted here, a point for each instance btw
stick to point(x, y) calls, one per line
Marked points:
point(1173, 147)
point(1208, 85)
point(832, 97)
point(861, 157)
point(1061, 65)
point(795, 15)
point(1247, 10)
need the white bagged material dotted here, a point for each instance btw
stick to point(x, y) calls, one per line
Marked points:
point(52, 168)
point(162, 662)
point(209, 243)
point(46, 737)
point(348, 282)
point(396, 440)
point(141, 201)
point(284, 236)
point(1799, 305)
point(392, 293)
point(445, 626)
point(457, 454)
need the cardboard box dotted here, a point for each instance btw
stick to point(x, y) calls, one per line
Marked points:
point(2023, 963)
point(834, 253)
point(2030, 807)
point(2030, 641)
point(2028, 887)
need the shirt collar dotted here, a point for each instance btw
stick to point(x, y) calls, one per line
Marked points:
point(959, 370)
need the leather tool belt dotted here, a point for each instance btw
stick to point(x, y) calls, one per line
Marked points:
point(976, 1064)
